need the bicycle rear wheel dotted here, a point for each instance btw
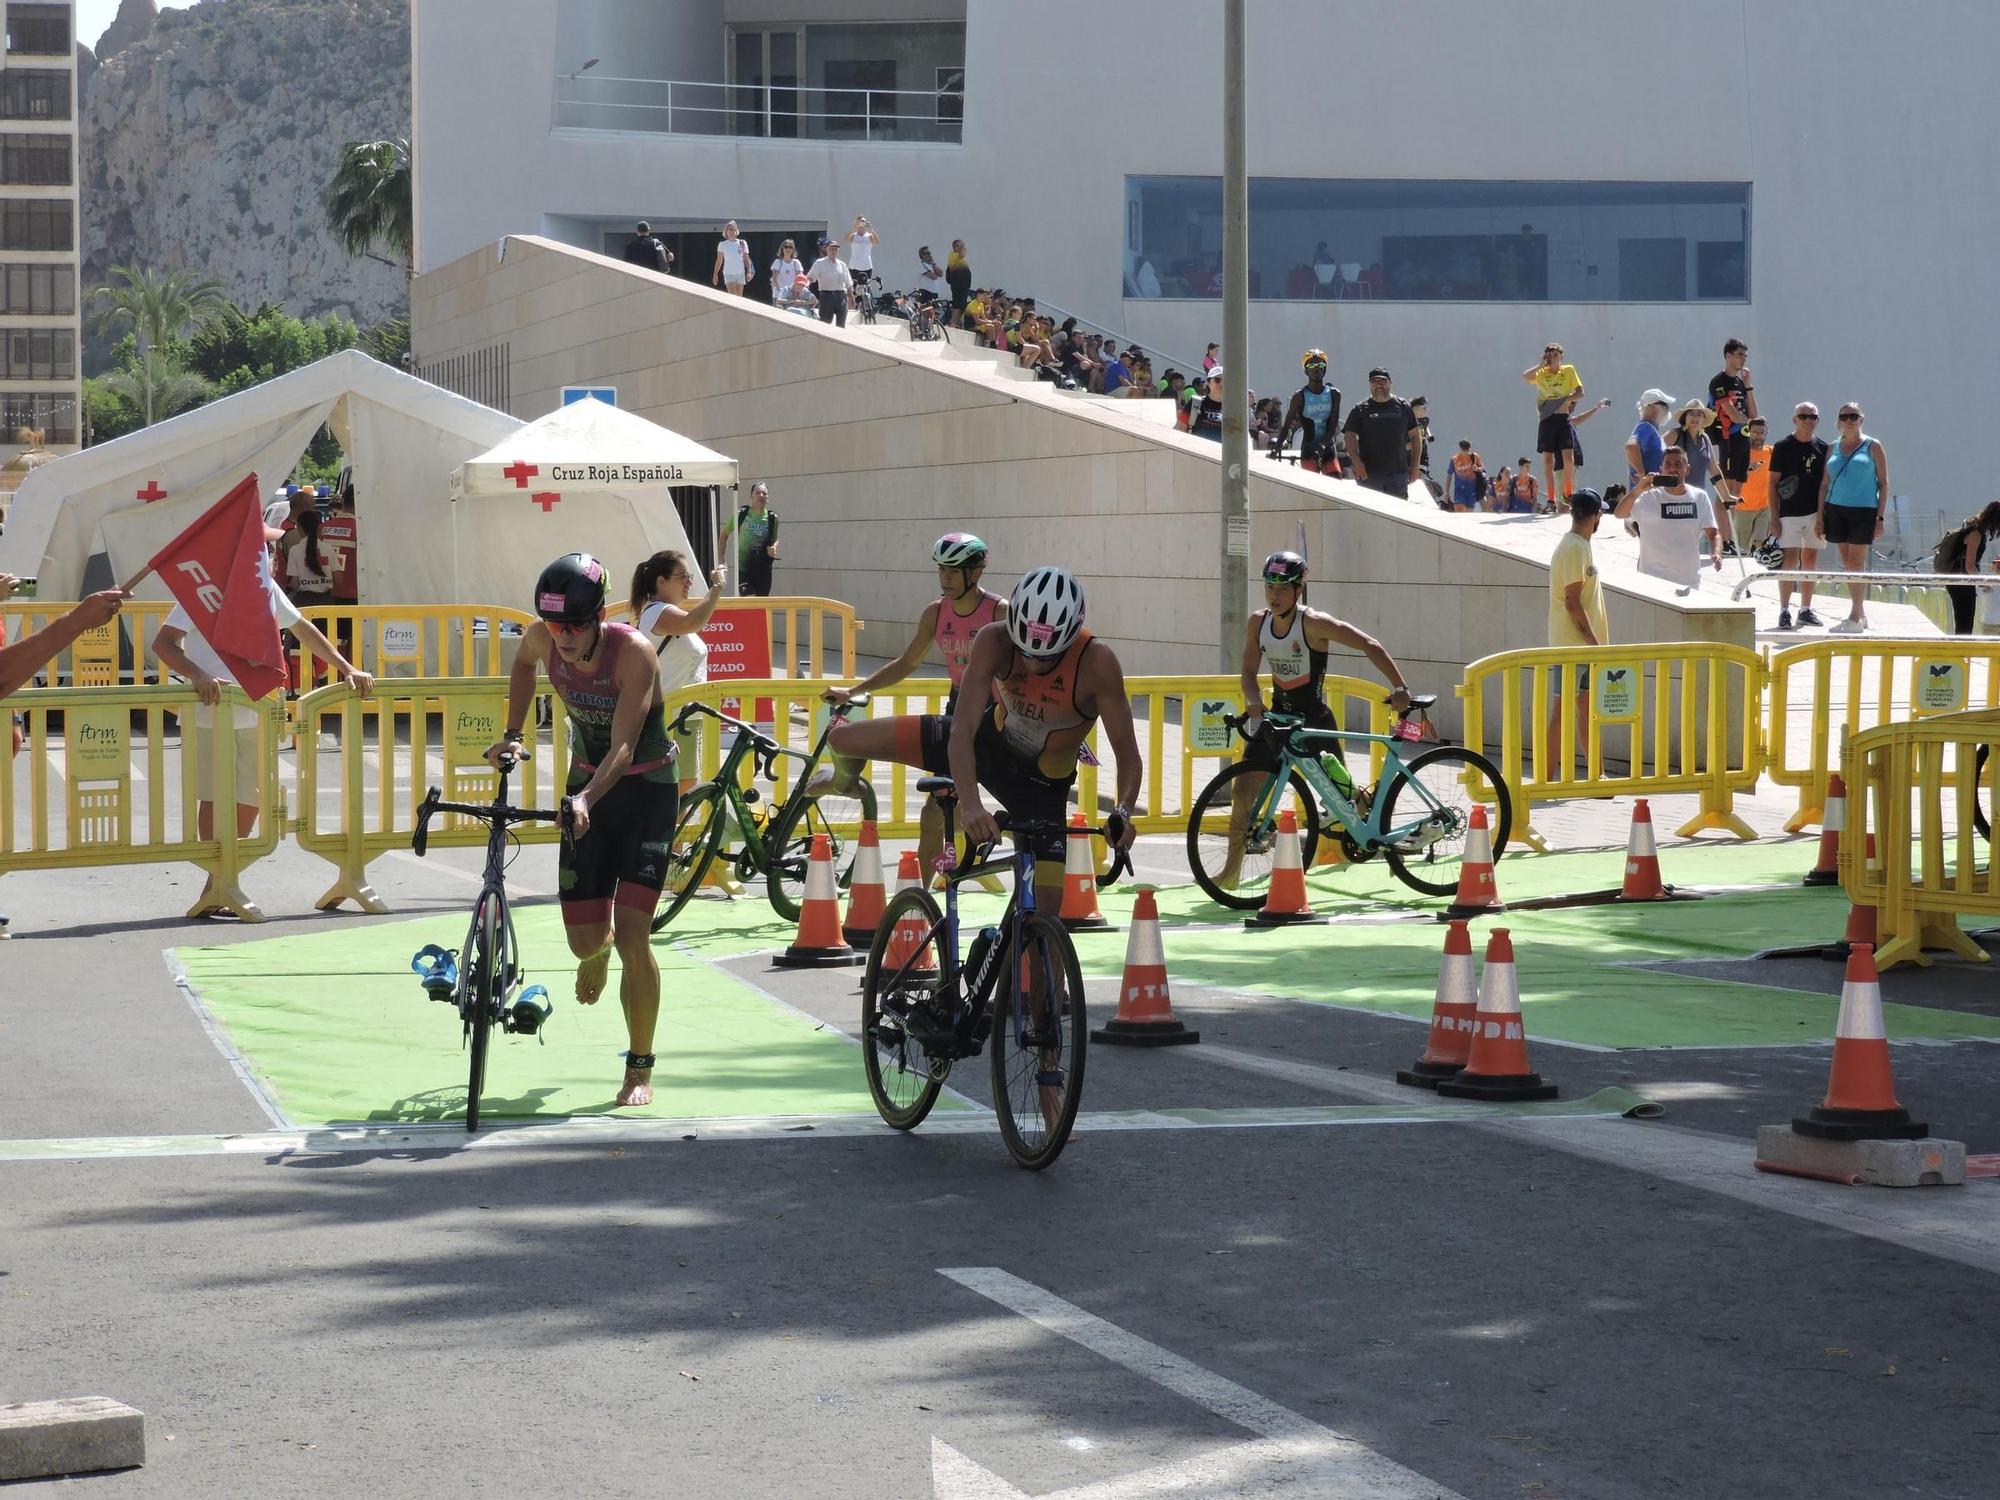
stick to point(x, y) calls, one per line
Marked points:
point(903, 1079)
point(480, 1003)
point(1040, 1037)
point(1208, 836)
point(788, 843)
point(697, 835)
point(1454, 779)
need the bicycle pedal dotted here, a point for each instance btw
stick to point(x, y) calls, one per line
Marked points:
point(437, 969)
point(530, 1011)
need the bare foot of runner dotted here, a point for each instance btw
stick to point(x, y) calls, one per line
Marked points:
point(638, 1088)
point(590, 975)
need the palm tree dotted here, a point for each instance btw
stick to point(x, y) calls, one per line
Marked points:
point(155, 383)
point(158, 306)
point(368, 201)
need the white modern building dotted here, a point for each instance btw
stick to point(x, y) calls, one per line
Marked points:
point(41, 394)
point(1439, 187)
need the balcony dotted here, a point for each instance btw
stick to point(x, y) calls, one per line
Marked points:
point(692, 107)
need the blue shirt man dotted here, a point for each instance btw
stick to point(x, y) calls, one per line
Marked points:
point(1116, 376)
point(1646, 446)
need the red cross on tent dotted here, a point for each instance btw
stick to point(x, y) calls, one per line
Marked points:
point(546, 499)
point(151, 492)
point(520, 472)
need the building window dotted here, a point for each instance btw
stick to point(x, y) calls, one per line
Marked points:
point(1439, 241)
point(39, 29)
point(37, 354)
point(37, 224)
point(51, 413)
point(35, 160)
point(34, 94)
point(42, 291)
point(951, 94)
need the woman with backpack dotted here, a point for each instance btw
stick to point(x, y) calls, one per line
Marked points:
point(756, 529)
point(1962, 551)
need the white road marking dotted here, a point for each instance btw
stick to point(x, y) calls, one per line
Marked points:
point(1294, 1456)
point(238, 1064)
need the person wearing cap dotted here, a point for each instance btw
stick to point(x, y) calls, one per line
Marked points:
point(1690, 435)
point(1648, 440)
point(834, 283)
point(1205, 413)
point(1385, 445)
point(1576, 613)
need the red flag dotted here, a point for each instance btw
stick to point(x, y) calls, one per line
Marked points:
point(214, 571)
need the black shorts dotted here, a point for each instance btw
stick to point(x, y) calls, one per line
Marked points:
point(1555, 433)
point(1320, 454)
point(1024, 791)
point(622, 860)
point(1733, 453)
point(1853, 525)
point(1263, 751)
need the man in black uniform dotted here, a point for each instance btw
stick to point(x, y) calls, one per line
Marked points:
point(1384, 443)
point(646, 250)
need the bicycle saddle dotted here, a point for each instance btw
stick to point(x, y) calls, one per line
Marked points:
point(1422, 700)
point(936, 786)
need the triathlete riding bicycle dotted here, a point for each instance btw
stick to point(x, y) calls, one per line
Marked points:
point(1034, 685)
point(623, 795)
point(1315, 410)
point(950, 622)
point(1291, 640)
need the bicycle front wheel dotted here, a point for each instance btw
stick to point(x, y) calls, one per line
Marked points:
point(788, 843)
point(481, 1003)
point(1979, 822)
point(1218, 837)
point(1442, 786)
point(1040, 1037)
point(697, 835)
point(899, 986)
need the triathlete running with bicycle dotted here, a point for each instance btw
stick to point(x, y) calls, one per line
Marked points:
point(950, 621)
point(1315, 411)
point(1290, 640)
point(623, 793)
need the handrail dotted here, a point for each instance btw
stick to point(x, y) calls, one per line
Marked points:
point(761, 109)
point(1166, 362)
point(1885, 580)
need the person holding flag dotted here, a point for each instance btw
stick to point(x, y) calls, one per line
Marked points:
point(224, 631)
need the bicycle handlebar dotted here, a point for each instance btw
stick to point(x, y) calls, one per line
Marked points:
point(490, 812)
point(1121, 859)
point(1235, 722)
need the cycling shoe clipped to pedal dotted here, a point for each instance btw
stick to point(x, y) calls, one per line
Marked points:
point(437, 969)
point(530, 1011)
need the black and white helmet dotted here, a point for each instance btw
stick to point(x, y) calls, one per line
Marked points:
point(1045, 612)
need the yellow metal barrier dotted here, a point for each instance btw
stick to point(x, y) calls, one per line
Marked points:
point(1862, 684)
point(414, 640)
point(1686, 717)
point(129, 791)
point(1912, 787)
point(358, 799)
point(97, 658)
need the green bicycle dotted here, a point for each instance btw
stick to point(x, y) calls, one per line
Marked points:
point(776, 850)
point(1416, 819)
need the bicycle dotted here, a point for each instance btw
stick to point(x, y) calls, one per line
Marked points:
point(482, 988)
point(922, 1009)
point(776, 850)
point(1416, 819)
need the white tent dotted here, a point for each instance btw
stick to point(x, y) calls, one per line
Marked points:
point(589, 445)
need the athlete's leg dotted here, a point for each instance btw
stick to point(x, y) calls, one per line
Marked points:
point(859, 741)
point(638, 984)
point(587, 925)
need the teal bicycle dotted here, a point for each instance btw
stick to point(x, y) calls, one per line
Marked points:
point(1416, 818)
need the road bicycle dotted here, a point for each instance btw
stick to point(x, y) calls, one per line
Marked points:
point(1416, 818)
point(1018, 986)
point(776, 849)
point(481, 979)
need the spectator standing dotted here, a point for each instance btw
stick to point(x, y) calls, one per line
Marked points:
point(309, 581)
point(1205, 415)
point(834, 283)
point(861, 242)
point(1648, 440)
point(1209, 361)
point(958, 277)
point(340, 546)
point(1753, 495)
point(1690, 435)
point(1524, 497)
point(1734, 400)
point(670, 618)
point(732, 262)
point(1502, 490)
point(1853, 497)
point(756, 541)
point(1798, 463)
point(1468, 477)
point(1384, 443)
point(785, 273)
point(645, 249)
point(1557, 390)
point(1576, 613)
point(1961, 552)
point(1674, 518)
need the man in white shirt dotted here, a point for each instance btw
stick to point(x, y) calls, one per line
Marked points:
point(732, 262)
point(833, 281)
point(1676, 522)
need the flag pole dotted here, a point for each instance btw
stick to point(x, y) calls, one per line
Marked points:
point(136, 579)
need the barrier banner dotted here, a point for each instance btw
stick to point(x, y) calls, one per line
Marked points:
point(1206, 733)
point(1617, 687)
point(739, 645)
point(1940, 685)
point(472, 725)
point(98, 744)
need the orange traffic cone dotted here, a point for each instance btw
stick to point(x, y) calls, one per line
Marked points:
point(1145, 1010)
point(1285, 902)
point(1079, 903)
point(1642, 860)
point(1453, 1014)
point(1860, 920)
point(1478, 892)
point(865, 895)
point(1496, 1067)
point(910, 939)
point(818, 944)
point(1827, 871)
point(1860, 1103)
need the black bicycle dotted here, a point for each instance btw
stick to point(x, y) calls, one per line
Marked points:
point(481, 979)
point(922, 1009)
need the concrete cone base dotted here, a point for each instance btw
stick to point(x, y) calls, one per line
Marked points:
point(817, 958)
point(1498, 1088)
point(1116, 1033)
point(1824, 1124)
point(1286, 919)
point(1428, 1075)
point(1821, 877)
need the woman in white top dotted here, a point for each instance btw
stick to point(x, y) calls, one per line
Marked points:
point(732, 262)
point(661, 588)
point(785, 273)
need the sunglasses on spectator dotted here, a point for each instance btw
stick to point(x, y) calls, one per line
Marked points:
point(1805, 416)
point(1850, 416)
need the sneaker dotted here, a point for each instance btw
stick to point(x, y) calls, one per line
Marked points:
point(1784, 619)
point(1807, 617)
point(1847, 627)
point(1729, 549)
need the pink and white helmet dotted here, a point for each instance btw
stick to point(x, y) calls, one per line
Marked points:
point(1045, 612)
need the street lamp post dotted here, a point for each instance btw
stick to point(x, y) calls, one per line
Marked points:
point(1235, 571)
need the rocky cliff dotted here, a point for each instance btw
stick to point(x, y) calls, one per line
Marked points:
point(208, 135)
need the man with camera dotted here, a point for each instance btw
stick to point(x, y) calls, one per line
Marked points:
point(1673, 519)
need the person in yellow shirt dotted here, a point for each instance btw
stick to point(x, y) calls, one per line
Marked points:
point(1576, 615)
point(1558, 388)
point(1753, 496)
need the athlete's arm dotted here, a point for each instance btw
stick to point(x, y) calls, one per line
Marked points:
point(1342, 633)
point(990, 649)
point(521, 688)
point(636, 681)
point(1102, 692)
point(902, 666)
point(1253, 659)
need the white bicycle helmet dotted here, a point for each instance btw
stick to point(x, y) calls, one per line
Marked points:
point(1045, 612)
point(958, 549)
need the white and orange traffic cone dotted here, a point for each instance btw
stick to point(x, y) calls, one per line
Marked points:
point(1079, 903)
point(866, 897)
point(1478, 890)
point(1860, 1102)
point(1454, 1014)
point(910, 938)
point(1285, 902)
point(819, 944)
point(1832, 822)
point(1642, 860)
point(1496, 1067)
point(1145, 1010)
